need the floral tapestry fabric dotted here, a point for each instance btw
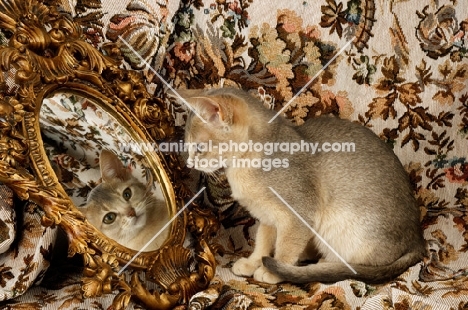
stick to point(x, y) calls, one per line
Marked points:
point(397, 67)
point(23, 257)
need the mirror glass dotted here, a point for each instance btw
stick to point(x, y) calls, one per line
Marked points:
point(98, 163)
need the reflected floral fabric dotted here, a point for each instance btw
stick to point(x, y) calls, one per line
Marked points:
point(75, 131)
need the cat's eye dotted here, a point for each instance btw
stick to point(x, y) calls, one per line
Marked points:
point(109, 218)
point(127, 194)
point(200, 148)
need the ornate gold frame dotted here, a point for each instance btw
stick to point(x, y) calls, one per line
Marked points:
point(45, 52)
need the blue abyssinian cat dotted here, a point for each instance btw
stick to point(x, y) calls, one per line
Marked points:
point(362, 218)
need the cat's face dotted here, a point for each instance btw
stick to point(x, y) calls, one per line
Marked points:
point(118, 209)
point(218, 120)
point(118, 206)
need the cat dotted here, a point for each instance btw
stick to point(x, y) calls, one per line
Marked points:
point(360, 202)
point(125, 209)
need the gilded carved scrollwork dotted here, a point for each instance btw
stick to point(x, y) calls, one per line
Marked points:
point(44, 52)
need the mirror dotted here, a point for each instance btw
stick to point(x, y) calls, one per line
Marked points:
point(63, 104)
point(104, 171)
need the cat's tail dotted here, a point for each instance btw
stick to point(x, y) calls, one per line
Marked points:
point(334, 272)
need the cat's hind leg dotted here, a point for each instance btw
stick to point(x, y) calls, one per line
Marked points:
point(264, 246)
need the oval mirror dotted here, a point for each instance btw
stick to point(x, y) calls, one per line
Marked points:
point(104, 171)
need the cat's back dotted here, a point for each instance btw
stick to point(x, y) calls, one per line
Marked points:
point(342, 139)
point(332, 128)
point(354, 160)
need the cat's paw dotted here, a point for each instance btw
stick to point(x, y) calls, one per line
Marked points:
point(262, 274)
point(245, 267)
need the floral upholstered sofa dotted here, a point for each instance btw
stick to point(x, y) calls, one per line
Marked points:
point(397, 67)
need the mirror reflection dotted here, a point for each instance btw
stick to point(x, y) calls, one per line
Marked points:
point(109, 181)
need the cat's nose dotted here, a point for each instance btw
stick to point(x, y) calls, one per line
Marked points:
point(131, 212)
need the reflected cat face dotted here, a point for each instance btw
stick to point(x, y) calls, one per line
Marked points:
point(119, 207)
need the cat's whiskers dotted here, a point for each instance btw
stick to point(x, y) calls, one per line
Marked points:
point(215, 175)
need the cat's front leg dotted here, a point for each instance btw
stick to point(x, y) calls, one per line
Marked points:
point(264, 246)
point(291, 241)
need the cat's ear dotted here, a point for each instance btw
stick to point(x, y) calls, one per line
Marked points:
point(205, 106)
point(149, 180)
point(210, 110)
point(112, 167)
